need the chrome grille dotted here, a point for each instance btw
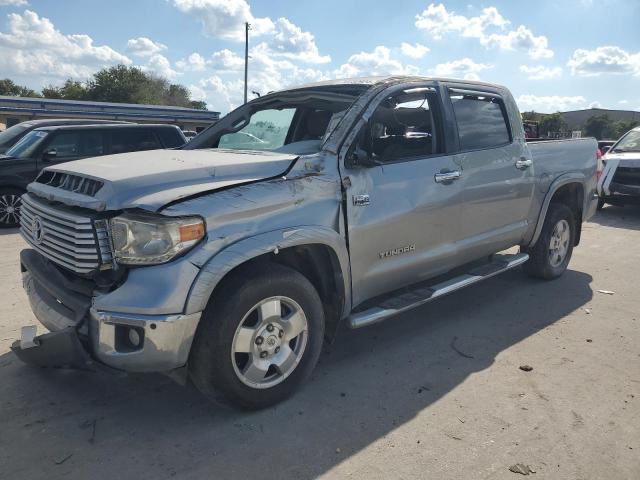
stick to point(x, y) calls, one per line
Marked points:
point(67, 239)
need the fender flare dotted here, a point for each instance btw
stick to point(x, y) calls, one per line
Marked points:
point(566, 179)
point(221, 263)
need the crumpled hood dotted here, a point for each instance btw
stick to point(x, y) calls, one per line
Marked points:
point(151, 179)
point(628, 159)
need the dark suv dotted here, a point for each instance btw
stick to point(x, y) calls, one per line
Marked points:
point(12, 135)
point(45, 146)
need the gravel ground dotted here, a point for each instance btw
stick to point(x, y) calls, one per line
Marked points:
point(435, 393)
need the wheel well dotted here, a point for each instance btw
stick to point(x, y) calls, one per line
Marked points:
point(572, 195)
point(319, 264)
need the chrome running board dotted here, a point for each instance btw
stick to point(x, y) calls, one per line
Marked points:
point(421, 295)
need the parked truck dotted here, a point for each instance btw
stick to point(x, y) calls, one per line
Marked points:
point(229, 261)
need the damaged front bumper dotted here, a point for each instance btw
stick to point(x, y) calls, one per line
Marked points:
point(86, 338)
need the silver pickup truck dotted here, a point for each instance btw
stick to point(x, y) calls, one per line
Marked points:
point(230, 260)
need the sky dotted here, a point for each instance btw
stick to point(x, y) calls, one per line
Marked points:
point(553, 55)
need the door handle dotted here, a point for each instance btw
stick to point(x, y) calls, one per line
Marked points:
point(523, 163)
point(447, 177)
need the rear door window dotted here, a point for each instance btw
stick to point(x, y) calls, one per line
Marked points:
point(65, 144)
point(133, 140)
point(92, 143)
point(481, 120)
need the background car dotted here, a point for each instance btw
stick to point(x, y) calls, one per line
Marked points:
point(12, 135)
point(44, 146)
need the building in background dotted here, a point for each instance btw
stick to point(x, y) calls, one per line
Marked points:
point(18, 109)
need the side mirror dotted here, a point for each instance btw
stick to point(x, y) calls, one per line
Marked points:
point(50, 154)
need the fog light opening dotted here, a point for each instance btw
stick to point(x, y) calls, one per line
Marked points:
point(134, 338)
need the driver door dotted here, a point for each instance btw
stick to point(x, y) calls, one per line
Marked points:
point(404, 201)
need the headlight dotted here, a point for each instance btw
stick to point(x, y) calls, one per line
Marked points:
point(147, 239)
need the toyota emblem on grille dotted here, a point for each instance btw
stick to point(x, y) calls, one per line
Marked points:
point(38, 229)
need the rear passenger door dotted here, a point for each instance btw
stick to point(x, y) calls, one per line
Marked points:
point(497, 179)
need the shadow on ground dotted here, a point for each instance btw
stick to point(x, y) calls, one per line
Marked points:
point(627, 217)
point(368, 382)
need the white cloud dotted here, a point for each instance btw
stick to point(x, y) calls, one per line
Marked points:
point(521, 39)
point(226, 60)
point(160, 65)
point(377, 62)
point(33, 46)
point(463, 68)
point(550, 103)
point(291, 42)
point(225, 19)
point(595, 104)
point(623, 102)
point(194, 63)
point(13, 3)
point(438, 21)
point(602, 60)
point(540, 72)
point(144, 47)
point(415, 51)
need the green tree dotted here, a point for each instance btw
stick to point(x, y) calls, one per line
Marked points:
point(531, 116)
point(598, 126)
point(553, 123)
point(8, 87)
point(621, 127)
point(71, 90)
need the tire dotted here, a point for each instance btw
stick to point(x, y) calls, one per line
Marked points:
point(601, 203)
point(10, 205)
point(542, 262)
point(237, 319)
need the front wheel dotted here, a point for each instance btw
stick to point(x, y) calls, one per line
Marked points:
point(259, 338)
point(10, 204)
point(549, 257)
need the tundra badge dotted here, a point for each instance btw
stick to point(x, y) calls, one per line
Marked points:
point(398, 251)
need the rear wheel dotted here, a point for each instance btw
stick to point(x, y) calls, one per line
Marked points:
point(10, 204)
point(549, 257)
point(259, 338)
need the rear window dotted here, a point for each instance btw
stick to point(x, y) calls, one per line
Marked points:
point(481, 121)
point(170, 137)
point(133, 140)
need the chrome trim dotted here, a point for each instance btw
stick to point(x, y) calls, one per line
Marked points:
point(361, 200)
point(67, 239)
point(523, 163)
point(166, 341)
point(445, 177)
point(378, 313)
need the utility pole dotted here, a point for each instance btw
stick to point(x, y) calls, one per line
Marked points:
point(246, 57)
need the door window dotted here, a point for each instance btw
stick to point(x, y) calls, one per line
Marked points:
point(133, 140)
point(93, 144)
point(481, 121)
point(65, 144)
point(402, 127)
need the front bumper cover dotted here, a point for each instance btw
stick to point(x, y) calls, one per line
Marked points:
point(85, 338)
